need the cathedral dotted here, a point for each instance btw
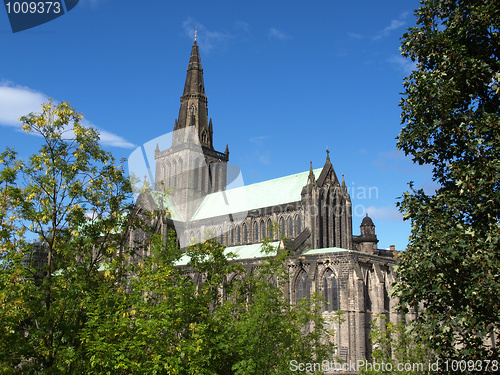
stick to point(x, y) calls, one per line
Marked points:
point(311, 211)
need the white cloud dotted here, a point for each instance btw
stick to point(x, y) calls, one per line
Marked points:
point(278, 34)
point(393, 25)
point(110, 139)
point(259, 140)
point(207, 39)
point(389, 213)
point(265, 158)
point(355, 36)
point(403, 64)
point(394, 161)
point(243, 26)
point(17, 101)
point(92, 3)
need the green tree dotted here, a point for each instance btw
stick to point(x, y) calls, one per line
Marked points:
point(254, 327)
point(77, 296)
point(227, 322)
point(51, 249)
point(144, 325)
point(450, 272)
point(399, 346)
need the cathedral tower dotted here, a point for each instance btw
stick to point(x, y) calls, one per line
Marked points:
point(191, 168)
point(194, 103)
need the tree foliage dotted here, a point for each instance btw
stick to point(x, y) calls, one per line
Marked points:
point(88, 287)
point(451, 118)
point(267, 331)
point(50, 250)
point(228, 322)
point(400, 347)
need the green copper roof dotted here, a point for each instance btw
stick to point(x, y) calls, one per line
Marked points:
point(251, 197)
point(240, 252)
point(328, 250)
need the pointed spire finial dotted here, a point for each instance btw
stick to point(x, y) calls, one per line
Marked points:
point(327, 154)
point(311, 173)
point(195, 33)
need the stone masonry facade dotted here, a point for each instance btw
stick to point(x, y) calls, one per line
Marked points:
point(313, 216)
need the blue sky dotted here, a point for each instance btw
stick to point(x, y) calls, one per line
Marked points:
point(285, 80)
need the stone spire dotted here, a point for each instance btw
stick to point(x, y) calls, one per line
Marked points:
point(311, 178)
point(194, 109)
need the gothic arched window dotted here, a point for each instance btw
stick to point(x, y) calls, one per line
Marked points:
point(255, 231)
point(221, 236)
point(174, 173)
point(299, 225)
point(368, 300)
point(168, 176)
point(290, 226)
point(180, 169)
point(282, 227)
point(262, 229)
point(203, 176)
point(302, 285)
point(193, 121)
point(210, 177)
point(215, 176)
point(196, 173)
point(245, 233)
point(330, 290)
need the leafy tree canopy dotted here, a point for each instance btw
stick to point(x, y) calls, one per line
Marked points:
point(62, 218)
point(88, 287)
point(451, 118)
point(221, 321)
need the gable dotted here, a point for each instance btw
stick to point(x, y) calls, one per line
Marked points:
point(327, 174)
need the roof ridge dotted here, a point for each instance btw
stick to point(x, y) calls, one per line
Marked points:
point(317, 170)
point(269, 193)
